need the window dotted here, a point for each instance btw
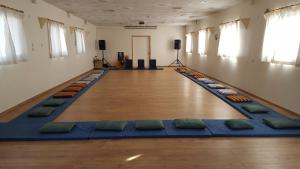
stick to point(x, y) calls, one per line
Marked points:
point(203, 37)
point(189, 43)
point(13, 47)
point(229, 45)
point(79, 41)
point(58, 45)
point(282, 37)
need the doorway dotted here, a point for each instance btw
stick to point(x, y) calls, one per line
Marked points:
point(141, 49)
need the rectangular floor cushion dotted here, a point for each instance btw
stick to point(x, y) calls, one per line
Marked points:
point(64, 94)
point(72, 89)
point(198, 76)
point(227, 91)
point(61, 127)
point(78, 85)
point(149, 125)
point(280, 123)
point(237, 124)
point(111, 125)
point(189, 124)
point(41, 112)
point(216, 86)
point(238, 98)
point(84, 81)
point(206, 80)
point(54, 102)
point(255, 108)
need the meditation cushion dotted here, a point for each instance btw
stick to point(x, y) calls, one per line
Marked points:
point(57, 128)
point(280, 123)
point(41, 112)
point(216, 86)
point(238, 98)
point(149, 125)
point(189, 124)
point(111, 125)
point(54, 102)
point(238, 125)
point(64, 94)
point(206, 80)
point(78, 85)
point(255, 108)
point(227, 91)
point(198, 76)
point(72, 89)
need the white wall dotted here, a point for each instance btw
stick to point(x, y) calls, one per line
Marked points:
point(24, 80)
point(276, 83)
point(118, 39)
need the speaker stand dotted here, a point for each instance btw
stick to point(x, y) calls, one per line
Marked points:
point(103, 60)
point(176, 62)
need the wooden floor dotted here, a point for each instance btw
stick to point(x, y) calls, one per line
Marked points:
point(134, 95)
point(202, 153)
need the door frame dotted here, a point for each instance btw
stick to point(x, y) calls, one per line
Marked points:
point(149, 40)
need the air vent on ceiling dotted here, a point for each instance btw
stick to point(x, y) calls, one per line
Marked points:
point(140, 27)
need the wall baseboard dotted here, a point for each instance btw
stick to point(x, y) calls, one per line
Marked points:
point(251, 94)
point(41, 95)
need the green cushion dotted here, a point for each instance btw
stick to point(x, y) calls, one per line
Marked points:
point(279, 123)
point(57, 127)
point(41, 112)
point(54, 102)
point(255, 108)
point(189, 124)
point(149, 125)
point(238, 124)
point(111, 125)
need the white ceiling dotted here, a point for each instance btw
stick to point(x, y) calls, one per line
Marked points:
point(153, 12)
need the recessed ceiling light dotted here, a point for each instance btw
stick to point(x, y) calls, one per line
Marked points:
point(177, 7)
point(203, 1)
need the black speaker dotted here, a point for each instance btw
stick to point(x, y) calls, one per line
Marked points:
point(102, 45)
point(141, 64)
point(152, 64)
point(120, 56)
point(128, 64)
point(177, 44)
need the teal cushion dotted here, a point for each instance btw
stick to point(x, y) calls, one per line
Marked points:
point(149, 125)
point(255, 108)
point(189, 124)
point(57, 127)
point(111, 125)
point(41, 112)
point(280, 123)
point(54, 102)
point(238, 124)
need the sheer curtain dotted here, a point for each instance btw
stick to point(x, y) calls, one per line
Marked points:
point(80, 41)
point(189, 43)
point(57, 37)
point(203, 37)
point(229, 45)
point(13, 45)
point(282, 37)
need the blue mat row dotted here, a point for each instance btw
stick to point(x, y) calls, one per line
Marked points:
point(238, 106)
point(86, 130)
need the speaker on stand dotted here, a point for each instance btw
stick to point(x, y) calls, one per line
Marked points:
point(177, 46)
point(102, 47)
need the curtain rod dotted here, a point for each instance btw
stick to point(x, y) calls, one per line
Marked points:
point(47, 19)
point(274, 10)
point(231, 21)
point(3, 6)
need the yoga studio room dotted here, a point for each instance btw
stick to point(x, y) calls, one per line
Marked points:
point(149, 84)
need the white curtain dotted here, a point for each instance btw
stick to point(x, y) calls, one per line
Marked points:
point(80, 41)
point(13, 45)
point(189, 43)
point(57, 37)
point(282, 36)
point(229, 45)
point(203, 37)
